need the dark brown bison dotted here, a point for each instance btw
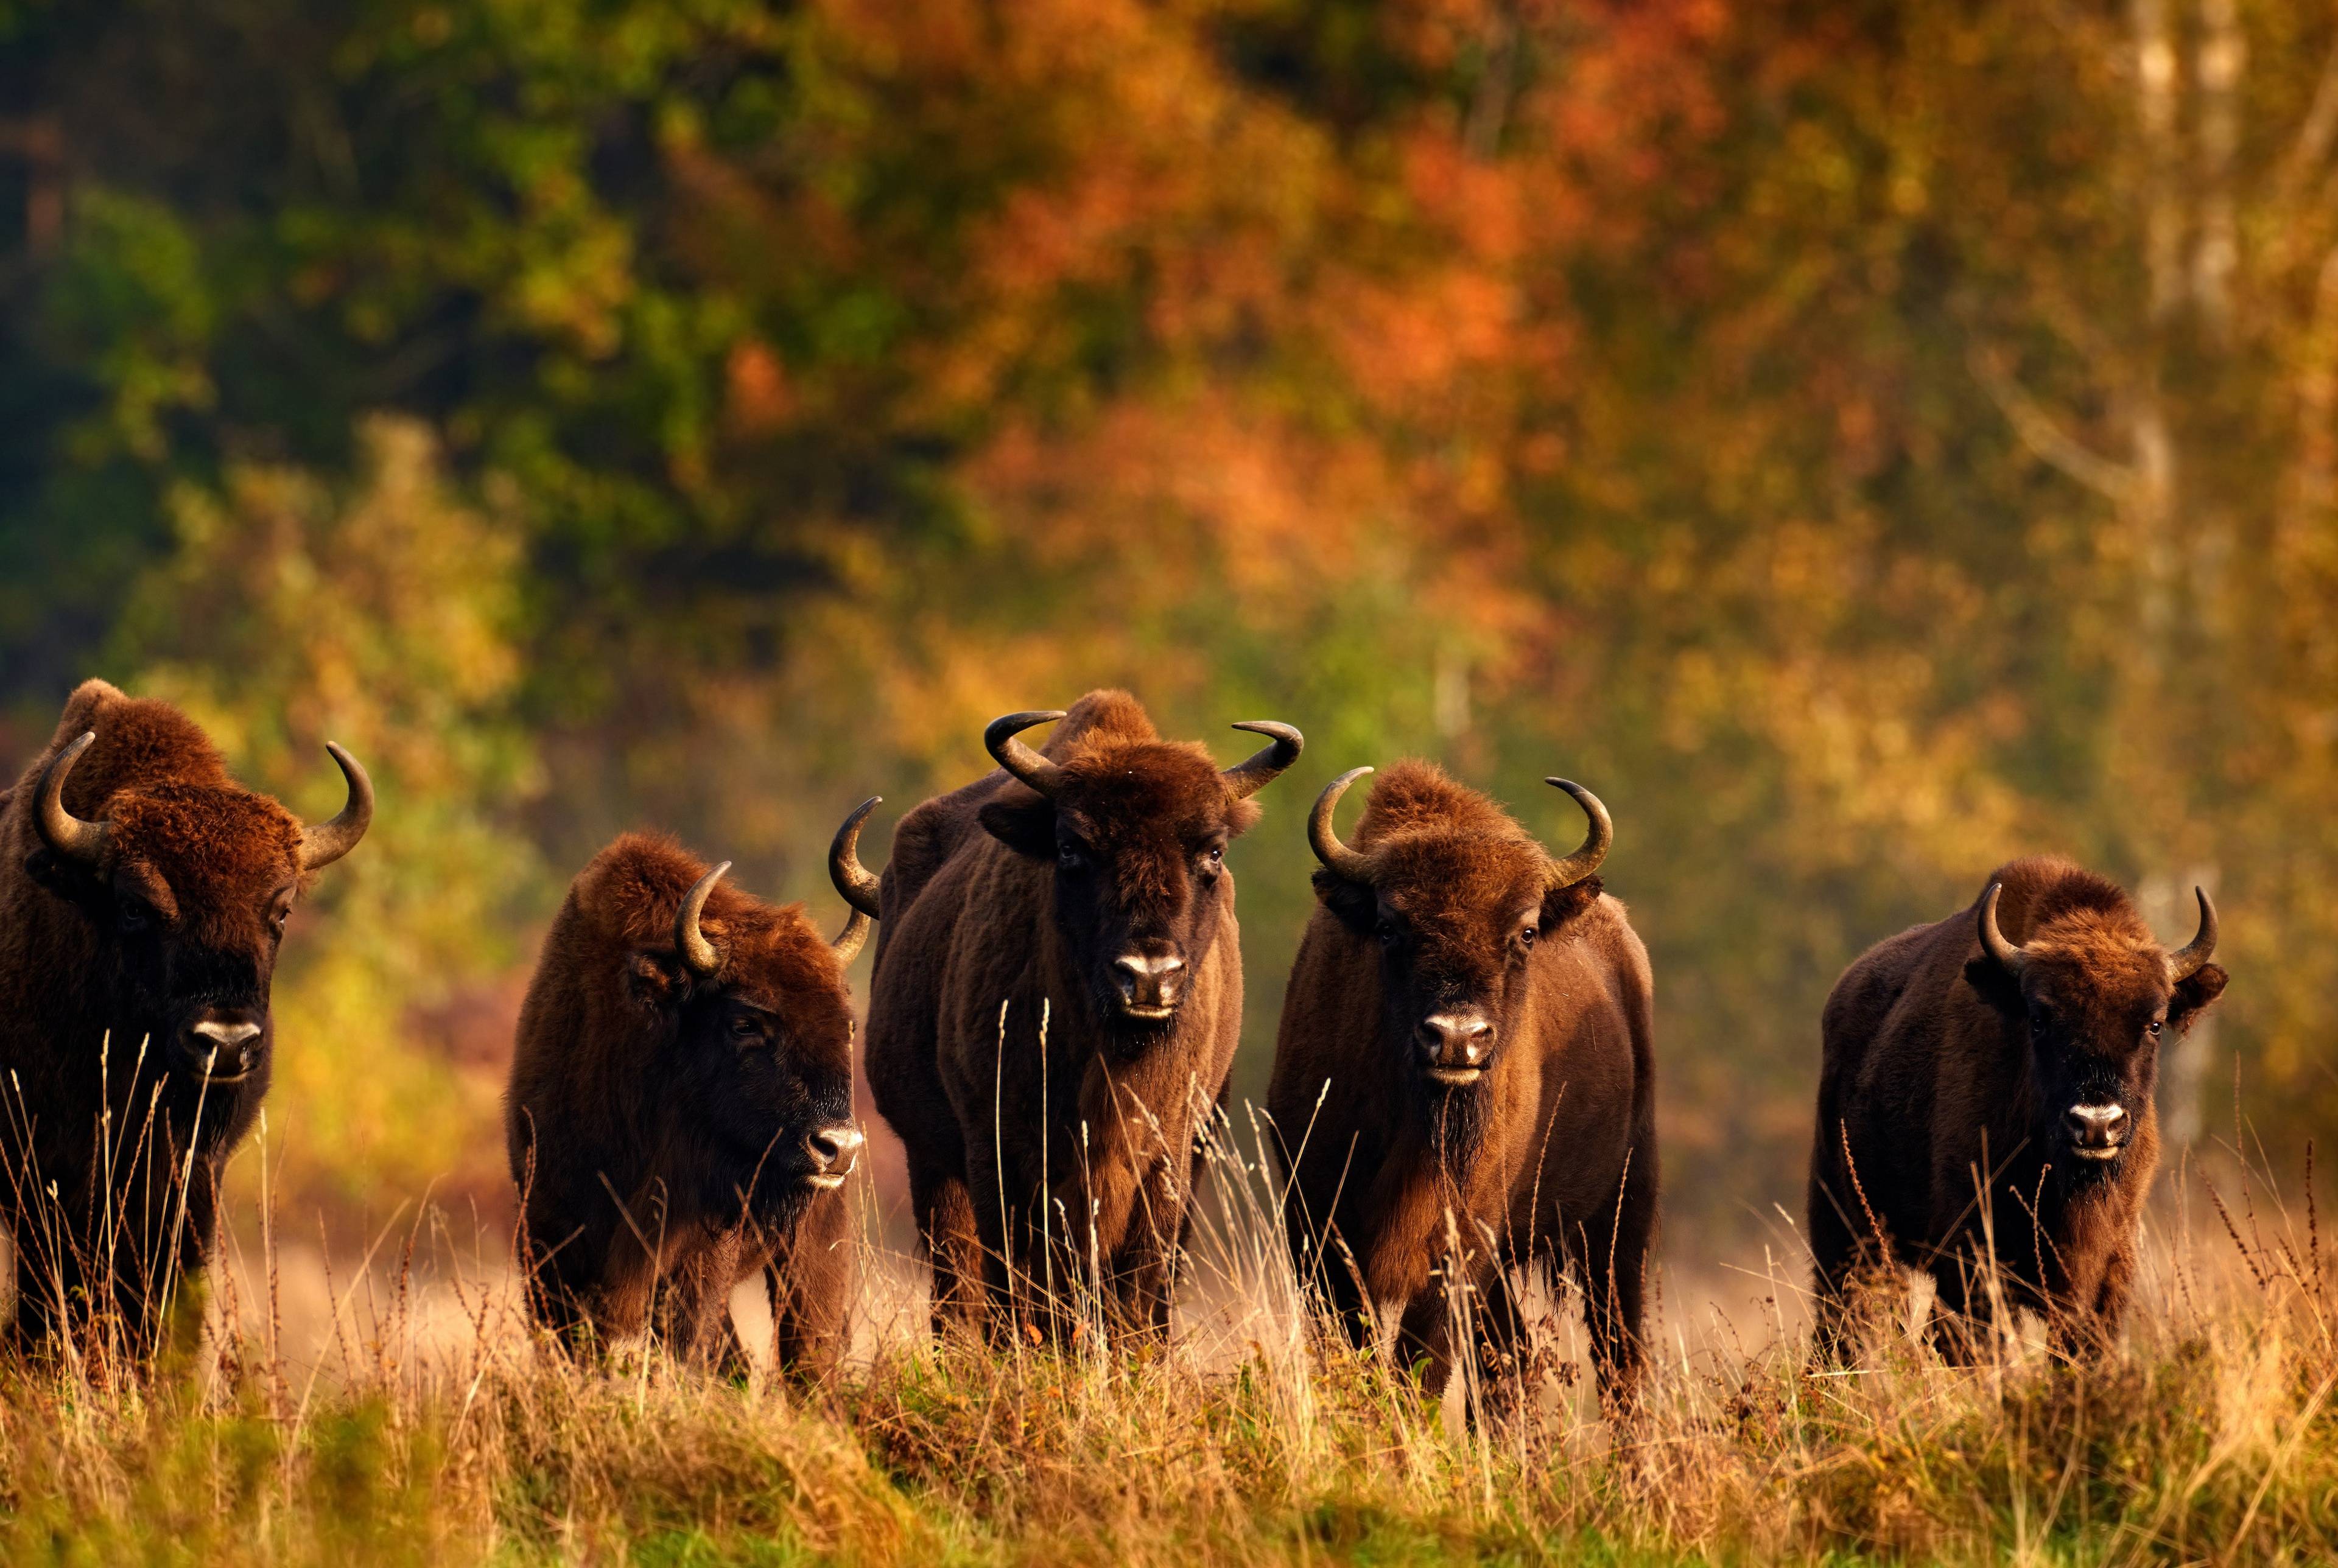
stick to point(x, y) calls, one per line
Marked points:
point(142, 896)
point(1464, 1083)
point(1056, 1003)
point(1985, 1099)
point(679, 1111)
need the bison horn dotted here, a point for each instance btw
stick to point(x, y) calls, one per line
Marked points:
point(696, 951)
point(65, 833)
point(1021, 759)
point(1338, 857)
point(1247, 778)
point(1601, 833)
point(328, 842)
point(2006, 955)
point(2185, 962)
point(860, 885)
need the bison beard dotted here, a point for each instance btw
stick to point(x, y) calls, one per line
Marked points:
point(1990, 1075)
point(142, 895)
point(1056, 1003)
point(679, 1112)
point(1464, 1079)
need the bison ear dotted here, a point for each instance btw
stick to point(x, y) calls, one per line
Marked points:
point(2204, 986)
point(59, 875)
point(1027, 828)
point(654, 980)
point(1356, 905)
point(1561, 904)
point(2000, 990)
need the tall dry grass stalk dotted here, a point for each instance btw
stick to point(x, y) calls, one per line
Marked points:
point(409, 1413)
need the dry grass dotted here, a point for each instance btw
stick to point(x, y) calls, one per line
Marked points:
point(402, 1411)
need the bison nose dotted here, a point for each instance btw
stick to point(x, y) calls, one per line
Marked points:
point(1454, 1046)
point(834, 1151)
point(1150, 983)
point(2096, 1131)
point(222, 1043)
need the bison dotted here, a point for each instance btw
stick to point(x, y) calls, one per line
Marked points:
point(1056, 1002)
point(1985, 1105)
point(1464, 1079)
point(679, 1109)
point(143, 894)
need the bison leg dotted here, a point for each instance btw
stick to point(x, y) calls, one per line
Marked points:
point(1963, 1310)
point(45, 1283)
point(1332, 1276)
point(1838, 1259)
point(1609, 1255)
point(809, 1280)
point(2088, 1331)
point(1501, 1336)
point(953, 1244)
point(1424, 1335)
point(693, 1313)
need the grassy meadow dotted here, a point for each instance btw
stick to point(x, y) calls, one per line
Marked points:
point(396, 1407)
point(1863, 442)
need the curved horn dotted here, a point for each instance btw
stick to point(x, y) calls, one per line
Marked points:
point(1248, 777)
point(860, 885)
point(1018, 758)
point(1345, 861)
point(329, 842)
point(2007, 956)
point(697, 953)
point(1601, 833)
point(2184, 962)
point(65, 833)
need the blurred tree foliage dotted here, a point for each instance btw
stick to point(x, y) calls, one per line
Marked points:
point(1862, 441)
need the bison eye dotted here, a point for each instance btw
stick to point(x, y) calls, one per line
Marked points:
point(745, 1030)
point(1526, 935)
point(1386, 931)
point(1069, 859)
point(2154, 1027)
point(133, 917)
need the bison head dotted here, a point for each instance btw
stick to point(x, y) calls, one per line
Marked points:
point(2096, 995)
point(1455, 897)
point(186, 887)
point(762, 1072)
point(1137, 831)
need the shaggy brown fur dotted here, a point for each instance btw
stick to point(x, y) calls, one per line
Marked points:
point(1944, 1078)
point(101, 969)
point(661, 1124)
point(1401, 1182)
point(1004, 910)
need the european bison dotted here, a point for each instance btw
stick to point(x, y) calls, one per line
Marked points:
point(1464, 1081)
point(1080, 899)
point(680, 1113)
point(1985, 1100)
point(142, 896)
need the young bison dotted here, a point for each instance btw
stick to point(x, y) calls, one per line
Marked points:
point(143, 894)
point(680, 1109)
point(1987, 1082)
point(1080, 898)
point(1465, 1079)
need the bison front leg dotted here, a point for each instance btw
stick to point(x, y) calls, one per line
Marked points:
point(1609, 1256)
point(2089, 1330)
point(1145, 1275)
point(1964, 1309)
point(1007, 1255)
point(940, 1196)
point(692, 1315)
point(809, 1280)
point(48, 1276)
point(1424, 1335)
